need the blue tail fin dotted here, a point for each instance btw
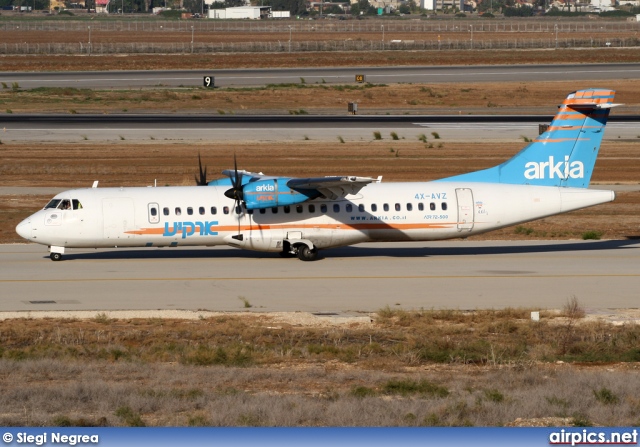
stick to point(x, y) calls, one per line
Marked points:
point(562, 156)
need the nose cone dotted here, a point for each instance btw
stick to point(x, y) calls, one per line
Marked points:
point(24, 228)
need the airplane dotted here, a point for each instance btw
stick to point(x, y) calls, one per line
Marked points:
point(300, 216)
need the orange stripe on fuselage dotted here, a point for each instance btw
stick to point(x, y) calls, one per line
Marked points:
point(342, 226)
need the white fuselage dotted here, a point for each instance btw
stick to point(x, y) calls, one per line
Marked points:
point(183, 216)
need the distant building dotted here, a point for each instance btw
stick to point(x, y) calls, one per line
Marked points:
point(211, 2)
point(241, 12)
point(429, 5)
point(603, 5)
point(102, 6)
point(323, 6)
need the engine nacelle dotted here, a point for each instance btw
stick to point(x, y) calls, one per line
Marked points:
point(270, 193)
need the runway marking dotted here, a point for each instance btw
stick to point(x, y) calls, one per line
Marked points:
point(307, 278)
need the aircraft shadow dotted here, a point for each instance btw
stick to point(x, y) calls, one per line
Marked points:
point(497, 248)
point(362, 251)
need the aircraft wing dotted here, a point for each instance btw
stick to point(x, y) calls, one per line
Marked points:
point(250, 176)
point(334, 187)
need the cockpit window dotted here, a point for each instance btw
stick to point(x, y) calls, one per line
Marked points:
point(65, 204)
point(76, 204)
point(52, 204)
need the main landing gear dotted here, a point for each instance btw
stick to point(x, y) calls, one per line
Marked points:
point(302, 251)
point(307, 254)
point(55, 256)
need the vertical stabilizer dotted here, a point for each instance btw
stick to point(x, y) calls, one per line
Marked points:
point(562, 156)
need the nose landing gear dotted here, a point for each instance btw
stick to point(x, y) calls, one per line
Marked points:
point(55, 253)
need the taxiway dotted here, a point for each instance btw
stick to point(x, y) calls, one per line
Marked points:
point(364, 278)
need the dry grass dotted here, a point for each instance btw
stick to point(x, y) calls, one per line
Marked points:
point(398, 338)
point(470, 98)
point(407, 369)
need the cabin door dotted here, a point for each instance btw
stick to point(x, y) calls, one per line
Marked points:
point(465, 209)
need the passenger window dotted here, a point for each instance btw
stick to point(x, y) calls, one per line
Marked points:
point(398, 207)
point(178, 211)
point(201, 210)
point(274, 210)
point(374, 207)
point(385, 207)
point(190, 211)
point(238, 209)
point(165, 211)
point(444, 206)
point(299, 209)
point(287, 209)
point(76, 204)
point(349, 208)
point(323, 208)
point(336, 208)
point(361, 208)
point(214, 210)
point(421, 206)
point(432, 206)
point(153, 211)
point(312, 209)
point(409, 206)
point(225, 210)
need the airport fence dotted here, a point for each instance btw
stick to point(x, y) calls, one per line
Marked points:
point(326, 26)
point(98, 48)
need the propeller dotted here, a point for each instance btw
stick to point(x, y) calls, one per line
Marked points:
point(235, 193)
point(202, 181)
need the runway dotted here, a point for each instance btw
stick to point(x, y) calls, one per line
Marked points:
point(364, 278)
point(321, 75)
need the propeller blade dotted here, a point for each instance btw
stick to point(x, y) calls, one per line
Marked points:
point(202, 181)
point(235, 192)
point(238, 182)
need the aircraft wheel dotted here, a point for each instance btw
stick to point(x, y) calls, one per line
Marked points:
point(55, 256)
point(307, 254)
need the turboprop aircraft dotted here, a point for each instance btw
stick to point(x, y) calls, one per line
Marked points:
point(299, 216)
